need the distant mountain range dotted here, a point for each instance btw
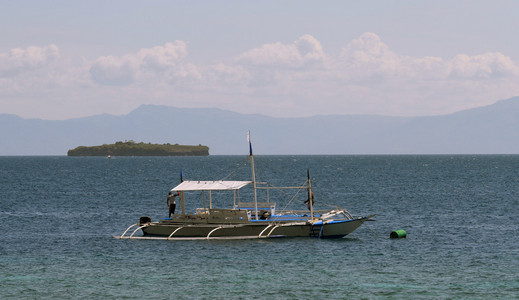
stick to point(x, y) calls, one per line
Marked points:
point(492, 129)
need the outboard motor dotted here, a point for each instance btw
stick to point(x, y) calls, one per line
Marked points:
point(264, 214)
point(144, 220)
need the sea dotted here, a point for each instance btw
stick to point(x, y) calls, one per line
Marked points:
point(460, 212)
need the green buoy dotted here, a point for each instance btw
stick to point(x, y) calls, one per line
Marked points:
point(398, 234)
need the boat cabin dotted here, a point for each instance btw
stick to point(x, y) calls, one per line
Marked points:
point(241, 211)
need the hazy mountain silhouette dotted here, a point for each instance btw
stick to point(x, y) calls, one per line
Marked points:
point(492, 129)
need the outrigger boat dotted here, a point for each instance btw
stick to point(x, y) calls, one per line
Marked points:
point(245, 220)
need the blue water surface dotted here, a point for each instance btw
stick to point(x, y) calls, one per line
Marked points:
point(460, 213)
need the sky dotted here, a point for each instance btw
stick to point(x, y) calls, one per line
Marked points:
point(69, 59)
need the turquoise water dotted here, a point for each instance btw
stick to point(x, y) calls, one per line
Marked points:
point(460, 212)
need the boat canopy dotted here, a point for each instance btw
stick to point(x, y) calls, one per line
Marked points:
point(210, 185)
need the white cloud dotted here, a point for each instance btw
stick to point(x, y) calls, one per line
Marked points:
point(34, 72)
point(112, 70)
point(22, 60)
point(368, 57)
point(160, 61)
point(310, 49)
point(483, 66)
point(224, 77)
point(304, 52)
point(368, 48)
point(163, 57)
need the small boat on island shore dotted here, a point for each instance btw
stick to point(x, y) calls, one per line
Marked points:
point(244, 220)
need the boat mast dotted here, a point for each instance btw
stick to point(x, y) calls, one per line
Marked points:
point(310, 196)
point(253, 177)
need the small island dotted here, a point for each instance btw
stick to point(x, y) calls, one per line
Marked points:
point(131, 148)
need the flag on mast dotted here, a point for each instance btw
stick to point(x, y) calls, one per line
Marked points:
point(250, 143)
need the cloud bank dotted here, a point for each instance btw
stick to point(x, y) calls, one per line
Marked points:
point(278, 79)
point(25, 60)
point(161, 61)
point(304, 52)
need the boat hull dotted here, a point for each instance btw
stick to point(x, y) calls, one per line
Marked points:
point(259, 229)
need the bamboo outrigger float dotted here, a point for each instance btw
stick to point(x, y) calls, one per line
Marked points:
point(245, 220)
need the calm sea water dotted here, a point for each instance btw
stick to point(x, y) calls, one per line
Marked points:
point(460, 212)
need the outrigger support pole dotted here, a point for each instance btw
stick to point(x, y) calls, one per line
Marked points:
point(131, 235)
point(122, 236)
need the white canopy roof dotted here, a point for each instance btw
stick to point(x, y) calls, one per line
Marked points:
point(210, 185)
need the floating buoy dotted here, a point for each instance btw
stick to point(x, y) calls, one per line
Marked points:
point(398, 234)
